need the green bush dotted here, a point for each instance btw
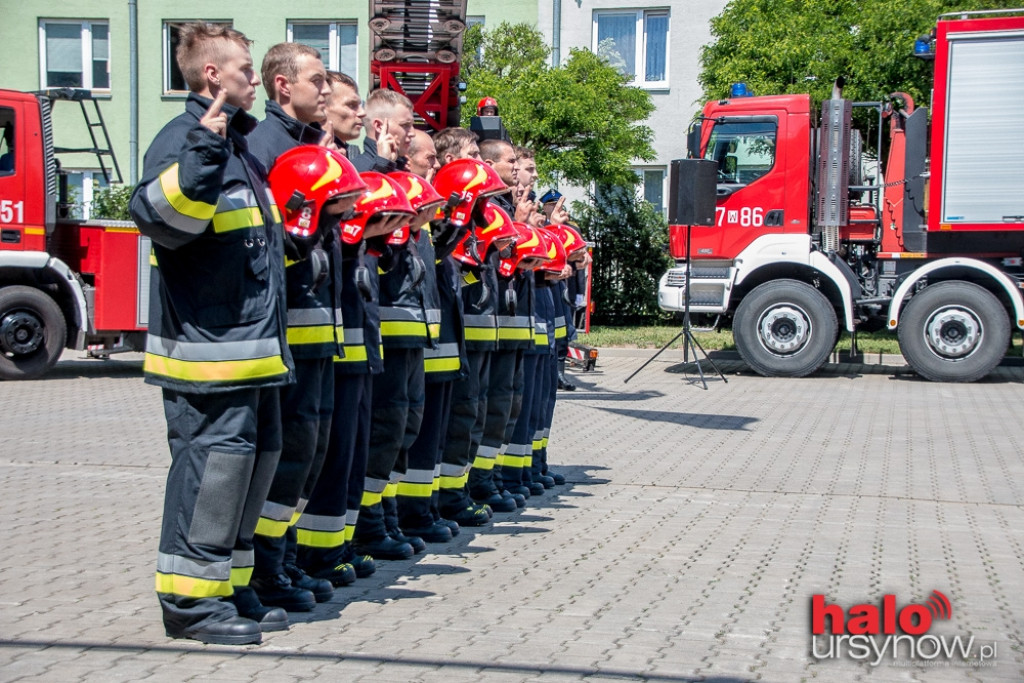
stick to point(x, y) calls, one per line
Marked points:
point(112, 203)
point(630, 242)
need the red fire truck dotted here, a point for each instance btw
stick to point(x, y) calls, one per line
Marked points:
point(805, 239)
point(63, 282)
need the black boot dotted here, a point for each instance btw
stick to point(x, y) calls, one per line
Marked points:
point(249, 606)
point(371, 537)
point(390, 506)
point(277, 590)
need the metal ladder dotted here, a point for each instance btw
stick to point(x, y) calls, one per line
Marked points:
point(94, 122)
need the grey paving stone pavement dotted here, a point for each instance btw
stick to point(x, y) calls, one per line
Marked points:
point(693, 531)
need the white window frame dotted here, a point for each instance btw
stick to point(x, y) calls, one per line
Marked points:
point(642, 184)
point(91, 183)
point(333, 58)
point(85, 36)
point(640, 39)
point(168, 58)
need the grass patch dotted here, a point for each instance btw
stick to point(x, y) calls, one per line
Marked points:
point(654, 337)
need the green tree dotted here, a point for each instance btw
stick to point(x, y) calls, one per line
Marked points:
point(802, 46)
point(630, 254)
point(112, 202)
point(582, 119)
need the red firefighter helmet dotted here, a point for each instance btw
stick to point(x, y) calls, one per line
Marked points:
point(572, 240)
point(382, 196)
point(421, 194)
point(468, 180)
point(556, 253)
point(497, 226)
point(529, 245)
point(486, 102)
point(305, 178)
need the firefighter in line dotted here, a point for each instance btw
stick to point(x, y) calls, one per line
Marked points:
point(326, 527)
point(216, 343)
point(296, 84)
point(514, 331)
point(389, 130)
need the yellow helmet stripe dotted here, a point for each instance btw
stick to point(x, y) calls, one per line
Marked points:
point(332, 173)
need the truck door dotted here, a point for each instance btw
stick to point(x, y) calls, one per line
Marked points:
point(752, 183)
point(12, 182)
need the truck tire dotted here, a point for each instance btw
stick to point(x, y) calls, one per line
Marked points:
point(785, 328)
point(954, 332)
point(32, 332)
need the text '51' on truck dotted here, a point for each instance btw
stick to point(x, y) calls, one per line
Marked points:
point(804, 242)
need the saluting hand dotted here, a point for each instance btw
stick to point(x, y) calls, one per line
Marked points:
point(214, 119)
point(387, 144)
point(328, 137)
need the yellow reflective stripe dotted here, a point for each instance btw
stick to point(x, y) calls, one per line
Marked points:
point(415, 490)
point(311, 334)
point(544, 442)
point(179, 202)
point(191, 587)
point(481, 334)
point(469, 278)
point(321, 539)
point(390, 490)
point(528, 460)
point(454, 482)
point(482, 463)
point(522, 333)
point(538, 444)
point(435, 330)
point(271, 528)
point(353, 354)
point(402, 328)
point(152, 258)
point(441, 364)
point(510, 460)
point(370, 498)
point(247, 217)
point(560, 332)
point(240, 576)
point(214, 370)
point(275, 212)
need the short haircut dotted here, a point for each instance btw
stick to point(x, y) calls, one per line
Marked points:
point(451, 141)
point(382, 102)
point(336, 77)
point(491, 148)
point(524, 152)
point(198, 45)
point(283, 60)
point(414, 144)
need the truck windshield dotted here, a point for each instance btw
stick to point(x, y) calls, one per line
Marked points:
point(743, 150)
point(6, 141)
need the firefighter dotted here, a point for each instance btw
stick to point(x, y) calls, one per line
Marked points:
point(406, 328)
point(216, 343)
point(327, 527)
point(487, 106)
point(422, 159)
point(470, 182)
point(389, 130)
point(296, 82)
point(344, 110)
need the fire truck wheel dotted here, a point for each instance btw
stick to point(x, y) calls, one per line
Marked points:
point(785, 328)
point(954, 332)
point(32, 332)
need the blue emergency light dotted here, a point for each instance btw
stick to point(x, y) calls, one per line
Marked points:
point(740, 90)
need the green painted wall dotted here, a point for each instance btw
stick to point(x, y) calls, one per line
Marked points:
point(262, 21)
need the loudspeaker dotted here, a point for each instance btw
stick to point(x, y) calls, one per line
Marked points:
point(489, 128)
point(691, 191)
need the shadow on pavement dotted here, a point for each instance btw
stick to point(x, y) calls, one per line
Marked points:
point(698, 420)
point(475, 668)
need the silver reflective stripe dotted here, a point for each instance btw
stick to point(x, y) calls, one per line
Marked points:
point(374, 485)
point(302, 317)
point(479, 320)
point(353, 335)
point(320, 523)
point(277, 512)
point(200, 569)
point(514, 321)
point(433, 315)
point(519, 449)
point(243, 558)
point(212, 351)
point(560, 321)
point(395, 313)
point(351, 517)
point(170, 215)
point(451, 470)
point(486, 451)
point(240, 197)
point(419, 477)
point(447, 350)
point(541, 326)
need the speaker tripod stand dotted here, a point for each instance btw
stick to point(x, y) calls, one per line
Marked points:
point(686, 332)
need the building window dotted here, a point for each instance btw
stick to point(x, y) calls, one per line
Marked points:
point(636, 43)
point(174, 82)
point(74, 54)
point(652, 186)
point(336, 41)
